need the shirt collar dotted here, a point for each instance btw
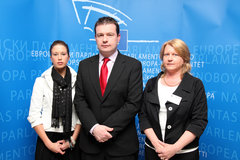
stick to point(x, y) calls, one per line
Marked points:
point(112, 57)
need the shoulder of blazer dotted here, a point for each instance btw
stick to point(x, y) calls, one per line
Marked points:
point(128, 59)
point(151, 83)
point(189, 81)
point(89, 60)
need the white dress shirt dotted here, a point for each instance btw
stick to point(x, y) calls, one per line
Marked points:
point(109, 64)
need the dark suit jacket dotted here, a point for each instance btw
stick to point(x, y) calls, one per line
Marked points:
point(190, 114)
point(117, 108)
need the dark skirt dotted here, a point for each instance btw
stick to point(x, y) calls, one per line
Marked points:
point(43, 153)
point(150, 154)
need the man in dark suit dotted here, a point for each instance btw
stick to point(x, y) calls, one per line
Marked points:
point(108, 97)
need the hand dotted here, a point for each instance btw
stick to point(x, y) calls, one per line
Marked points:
point(65, 144)
point(168, 151)
point(101, 133)
point(158, 146)
point(55, 147)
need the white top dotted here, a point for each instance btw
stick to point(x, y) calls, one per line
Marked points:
point(164, 92)
point(40, 111)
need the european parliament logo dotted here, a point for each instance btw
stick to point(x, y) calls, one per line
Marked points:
point(88, 11)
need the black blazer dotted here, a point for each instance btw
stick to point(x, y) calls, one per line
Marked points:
point(117, 108)
point(190, 114)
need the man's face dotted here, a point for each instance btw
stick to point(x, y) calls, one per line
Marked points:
point(107, 39)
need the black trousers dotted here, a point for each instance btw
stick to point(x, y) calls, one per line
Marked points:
point(43, 153)
point(150, 154)
point(103, 156)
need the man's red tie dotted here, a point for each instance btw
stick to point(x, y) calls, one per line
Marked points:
point(103, 75)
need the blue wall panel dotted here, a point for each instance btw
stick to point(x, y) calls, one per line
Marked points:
point(210, 29)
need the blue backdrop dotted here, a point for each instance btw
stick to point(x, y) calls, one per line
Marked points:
point(210, 29)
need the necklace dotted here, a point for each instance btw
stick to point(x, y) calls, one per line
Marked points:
point(171, 85)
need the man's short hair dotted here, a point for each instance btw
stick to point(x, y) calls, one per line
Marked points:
point(107, 20)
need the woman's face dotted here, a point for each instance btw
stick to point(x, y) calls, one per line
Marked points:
point(171, 60)
point(59, 57)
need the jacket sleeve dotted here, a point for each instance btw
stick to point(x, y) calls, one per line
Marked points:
point(35, 116)
point(199, 110)
point(85, 115)
point(143, 115)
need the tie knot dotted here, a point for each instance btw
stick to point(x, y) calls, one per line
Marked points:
point(105, 60)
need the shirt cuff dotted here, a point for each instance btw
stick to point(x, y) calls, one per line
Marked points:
point(91, 130)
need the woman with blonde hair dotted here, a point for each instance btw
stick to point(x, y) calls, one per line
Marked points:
point(174, 110)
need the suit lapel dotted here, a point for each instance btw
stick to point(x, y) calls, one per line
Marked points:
point(152, 97)
point(117, 69)
point(94, 75)
point(152, 91)
point(184, 86)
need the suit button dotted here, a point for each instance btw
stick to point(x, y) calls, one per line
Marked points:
point(169, 126)
point(170, 108)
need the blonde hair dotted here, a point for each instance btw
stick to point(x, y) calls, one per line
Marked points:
point(182, 50)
